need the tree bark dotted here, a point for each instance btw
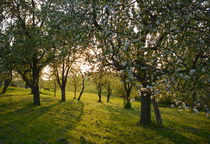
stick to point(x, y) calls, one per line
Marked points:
point(108, 96)
point(128, 87)
point(145, 117)
point(36, 95)
point(7, 82)
point(99, 92)
point(157, 113)
point(109, 93)
point(83, 87)
point(63, 93)
point(127, 104)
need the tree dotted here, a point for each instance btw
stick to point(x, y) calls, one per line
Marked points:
point(7, 78)
point(138, 37)
point(31, 48)
point(75, 82)
point(128, 85)
point(5, 66)
point(108, 84)
point(76, 73)
point(97, 78)
point(62, 69)
point(83, 86)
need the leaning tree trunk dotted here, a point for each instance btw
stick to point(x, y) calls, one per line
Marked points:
point(145, 117)
point(157, 113)
point(7, 82)
point(83, 87)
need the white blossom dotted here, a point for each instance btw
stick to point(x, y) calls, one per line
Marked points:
point(127, 44)
point(195, 110)
point(192, 71)
point(203, 69)
point(124, 63)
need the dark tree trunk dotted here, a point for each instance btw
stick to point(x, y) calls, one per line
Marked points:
point(108, 96)
point(99, 92)
point(63, 93)
point(128, 87)
point(28, 86)
point(99, 97)
point(157, 113)
point(109, 93)
point(35, 83)
point(145, 117)
point(127, 104)
point(7, 82)
point(83, 87)
point(36, 95)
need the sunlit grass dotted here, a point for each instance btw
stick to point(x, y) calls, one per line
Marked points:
point(88, 121)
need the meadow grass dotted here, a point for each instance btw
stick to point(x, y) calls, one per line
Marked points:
point(90, 122)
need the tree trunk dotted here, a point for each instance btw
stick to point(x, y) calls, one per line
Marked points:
point(83, 87)
point(63, 93)
point(108, 97)
point(99, 94)
point(157, 113)
point(145, 117)
point(127, 100)
point(36, 95)
point(99, 91)
point(127, 104)
point(7, 82)
point(109, 92)
point(99, 97)
point(128, 88)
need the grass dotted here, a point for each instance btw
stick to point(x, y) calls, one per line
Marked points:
point(90, 122)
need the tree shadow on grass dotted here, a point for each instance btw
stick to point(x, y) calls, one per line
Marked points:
point(152, 129)
point(197, 131)
point(172, 136)
point(13, 95)
point(121, 111)
point(44, 124)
